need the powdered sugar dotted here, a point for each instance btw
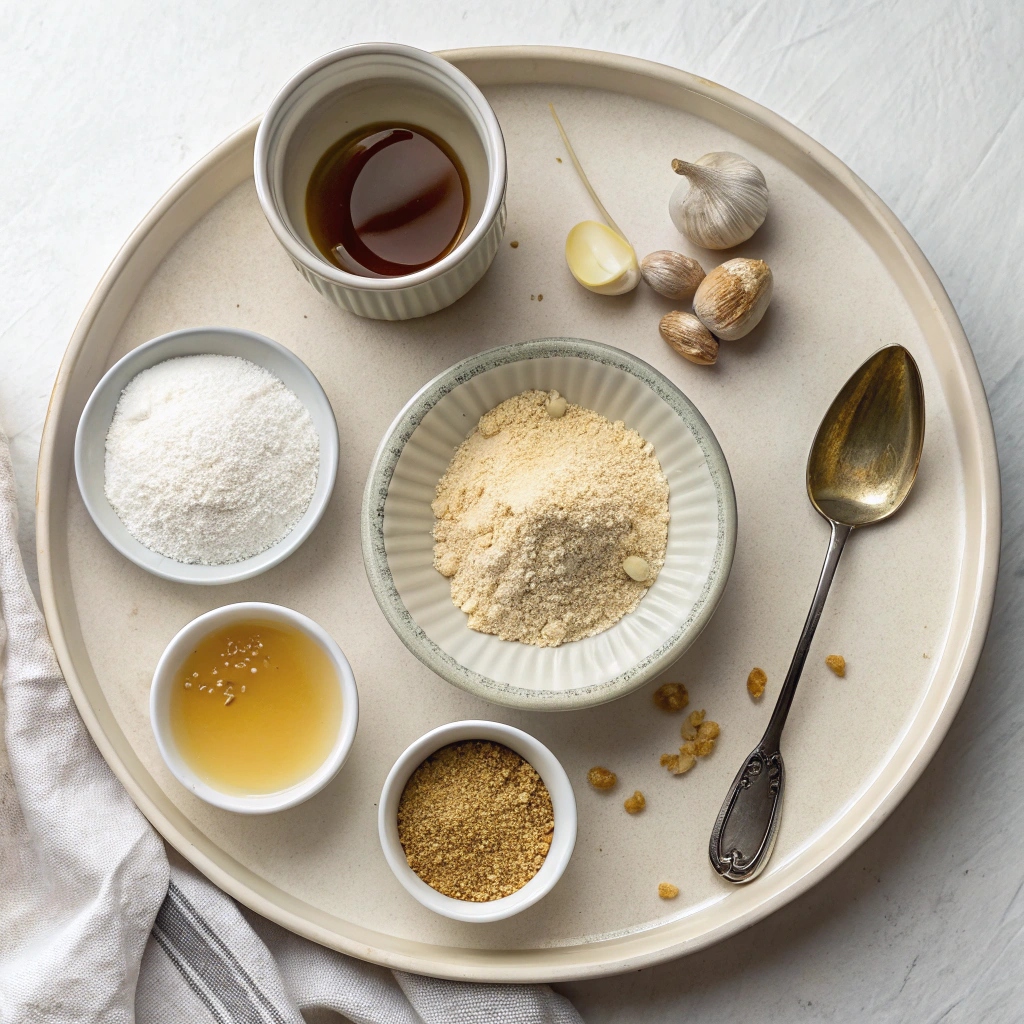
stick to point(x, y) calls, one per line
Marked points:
point(210, 459)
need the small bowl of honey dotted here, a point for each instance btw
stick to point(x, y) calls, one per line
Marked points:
point(381, 169)
point(254, 707)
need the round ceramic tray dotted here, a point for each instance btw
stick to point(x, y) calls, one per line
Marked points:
point(908, 610)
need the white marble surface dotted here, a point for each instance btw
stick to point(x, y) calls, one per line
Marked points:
point(106, 103)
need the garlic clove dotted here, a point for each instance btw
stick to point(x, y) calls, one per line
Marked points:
point(725, 202)
point(732, 299)
point(601, 260)
point(671, 274)
point(689, 337)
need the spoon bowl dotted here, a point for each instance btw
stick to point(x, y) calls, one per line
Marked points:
point(865, 455)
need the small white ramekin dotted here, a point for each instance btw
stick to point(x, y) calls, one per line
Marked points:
point(160, 702)
point(367, 84)
point(94, 425)
point(563, 802)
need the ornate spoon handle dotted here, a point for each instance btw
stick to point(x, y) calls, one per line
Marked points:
point(748, 823)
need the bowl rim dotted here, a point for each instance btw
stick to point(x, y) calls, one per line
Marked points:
point(163, 677)
point(195, 340)
point(382, 583)
point(563, 802)
point(494, 144)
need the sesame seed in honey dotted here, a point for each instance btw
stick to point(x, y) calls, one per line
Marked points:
point(256, 707)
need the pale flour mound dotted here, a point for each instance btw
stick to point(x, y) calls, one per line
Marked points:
point(210, 459)
point(535, 515)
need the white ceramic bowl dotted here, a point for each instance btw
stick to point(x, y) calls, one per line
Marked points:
point(563, 803)
point(90, 445)
point(366, 84)
point(165, 676)
point(416, 599)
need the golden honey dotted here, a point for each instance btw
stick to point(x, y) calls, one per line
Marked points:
point(255, 708)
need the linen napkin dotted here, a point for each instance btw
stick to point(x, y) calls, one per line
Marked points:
point(97, 926)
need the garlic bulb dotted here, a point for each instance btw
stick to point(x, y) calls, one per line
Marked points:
point(689, 337)
point(601, 259)
point(732, 299)
point(725, 203)
point(672, 274)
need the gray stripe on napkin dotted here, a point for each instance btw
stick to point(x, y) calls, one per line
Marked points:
point(204, 925)
point(203, 957)
point(186, 974)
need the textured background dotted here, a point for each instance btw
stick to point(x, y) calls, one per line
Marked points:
point(106, 102)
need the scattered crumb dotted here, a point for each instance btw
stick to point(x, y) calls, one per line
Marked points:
point(515, 245)
point(699, 735)
point(601, 778)
point(925, 655)
point(668, 891)
point(756, 682)
point(636, 803)
point(678, 764)
point(532, 297)
point(671, 697)
point(837, 663)
point(540, 298)
point(708, 731)
point(559, 159)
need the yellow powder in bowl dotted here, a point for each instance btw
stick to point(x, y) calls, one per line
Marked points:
point(538, 511)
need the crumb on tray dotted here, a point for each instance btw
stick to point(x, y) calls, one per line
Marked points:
point(671, 697)
point(837, 663)
point(601, 778)
point(756, 682)
point(636, 803)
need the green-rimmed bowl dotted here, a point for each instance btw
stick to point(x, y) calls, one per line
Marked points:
point(397, 524)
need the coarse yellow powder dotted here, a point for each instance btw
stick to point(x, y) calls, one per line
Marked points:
point(475, 821)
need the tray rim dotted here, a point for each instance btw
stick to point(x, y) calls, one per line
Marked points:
point(651, 946)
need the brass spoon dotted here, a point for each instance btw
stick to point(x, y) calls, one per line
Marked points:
point(861, 467)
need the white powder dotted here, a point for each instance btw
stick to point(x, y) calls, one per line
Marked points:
point(210, 459)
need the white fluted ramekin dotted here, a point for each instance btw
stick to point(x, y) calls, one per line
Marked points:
point(563, 806)
point(398, 523)
point(367, 84)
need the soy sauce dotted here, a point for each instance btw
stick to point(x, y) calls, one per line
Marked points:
point(387, 200)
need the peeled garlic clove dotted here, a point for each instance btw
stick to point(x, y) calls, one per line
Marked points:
point(732, 299)
point(671, 274)
point(637, 568)
point(556, 407)
point(601, 260)
point(725, 202)
point(689, 337)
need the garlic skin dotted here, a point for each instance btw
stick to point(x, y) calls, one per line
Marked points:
point(671, 274)
point(689, 337)
point(725, 202)
point(601, 259)
point(732, 299)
